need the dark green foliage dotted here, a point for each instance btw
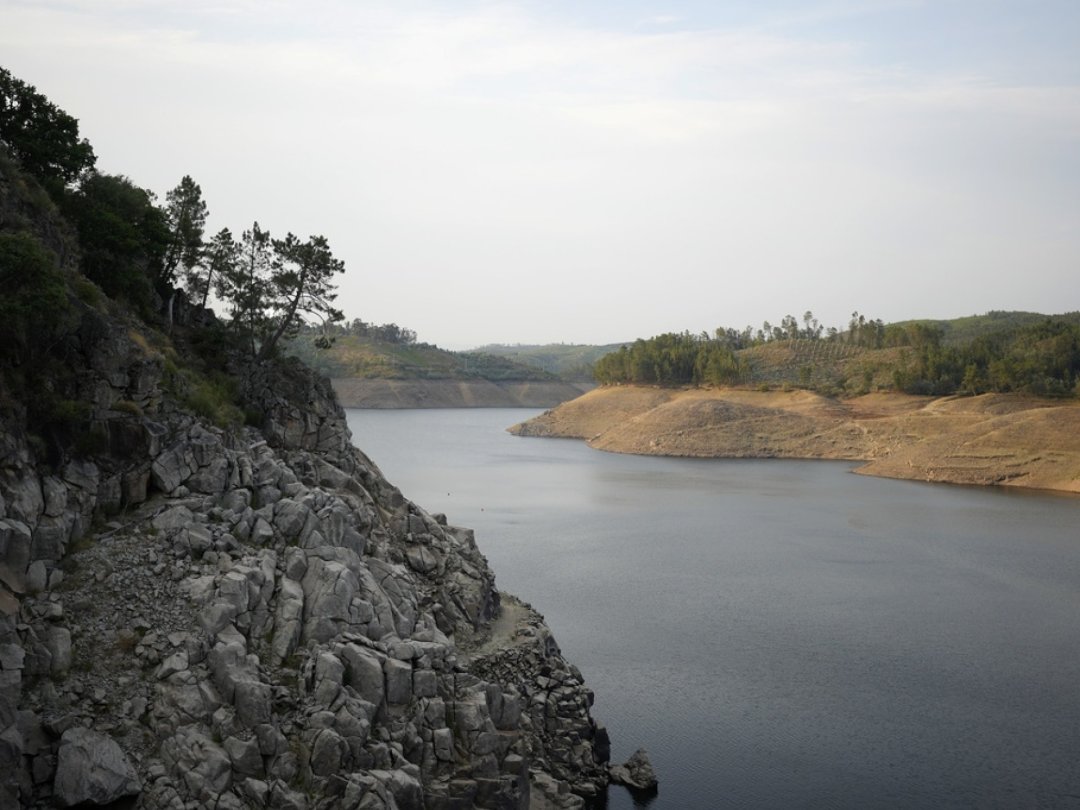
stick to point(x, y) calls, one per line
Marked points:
point(962, 331)
point(219, 260)
point(34, 307)
point(381, 333)
point(123, 236)
point(185, 217)
point(1041, 358)
point(1008, 352)
point(42, 137)
point(241, 281)
point(300, 283)
point(672, 359)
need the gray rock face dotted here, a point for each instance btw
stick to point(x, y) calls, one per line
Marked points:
point(91, 769)
point(268, 623)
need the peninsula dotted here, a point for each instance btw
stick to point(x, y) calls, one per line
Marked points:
point(992, 439)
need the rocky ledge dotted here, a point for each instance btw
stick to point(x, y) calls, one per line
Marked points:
point(257, 618)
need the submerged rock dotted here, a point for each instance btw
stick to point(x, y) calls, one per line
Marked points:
point(636, 773)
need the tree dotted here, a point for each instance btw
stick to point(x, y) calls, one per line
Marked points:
point(123, 236)
point(185, 214)
point(42, 137)
point(300, 283)
point(243, 283)
point(219, 261)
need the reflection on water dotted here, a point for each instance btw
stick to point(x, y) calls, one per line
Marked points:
point(779, 633)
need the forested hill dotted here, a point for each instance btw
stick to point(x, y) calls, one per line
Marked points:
point(998, 352)
point(961, 331)
point(359, 350)
point(570, 361)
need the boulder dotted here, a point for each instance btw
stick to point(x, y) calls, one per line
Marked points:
point(636, 773)
point(92, 770)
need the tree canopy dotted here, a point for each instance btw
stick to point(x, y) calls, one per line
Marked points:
point(124, 237)
point(42, 137)
point(185, 215)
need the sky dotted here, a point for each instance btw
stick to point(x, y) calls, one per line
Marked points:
point(593, 172)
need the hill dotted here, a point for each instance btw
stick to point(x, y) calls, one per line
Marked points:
point(962, 331)
point(1000, 352)
point(570, 361)
point(358, 357)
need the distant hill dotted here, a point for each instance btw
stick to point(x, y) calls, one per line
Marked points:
point(998, 352)
point(958, 331)
point(569, 361)
point(363, 357)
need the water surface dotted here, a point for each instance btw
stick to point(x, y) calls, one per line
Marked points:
point(779, 633)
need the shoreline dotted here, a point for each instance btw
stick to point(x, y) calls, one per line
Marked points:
point(1006, 440)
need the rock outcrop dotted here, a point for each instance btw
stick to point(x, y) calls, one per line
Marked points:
point(198, 617)
point(636, 773)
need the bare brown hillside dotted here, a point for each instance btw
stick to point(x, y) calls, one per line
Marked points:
point(1003, 439)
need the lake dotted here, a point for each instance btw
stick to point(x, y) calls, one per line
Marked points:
point(779, 633)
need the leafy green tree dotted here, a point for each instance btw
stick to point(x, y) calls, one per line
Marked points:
point(301, 283)
point(185, 214)
point(123, 236)
point(42, 137)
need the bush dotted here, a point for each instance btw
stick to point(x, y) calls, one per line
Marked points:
point(34, 306)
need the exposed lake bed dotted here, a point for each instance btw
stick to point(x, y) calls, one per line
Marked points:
point(779, 633)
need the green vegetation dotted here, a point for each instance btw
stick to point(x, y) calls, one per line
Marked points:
point(1042, 358)
point(40, 136)
point(672, 359)
point(135, 250)
point(81, 250)
point(962, 331)
point(123, 238)
point(998, 352)
point(33, 284)
point(388, 351)
point(568, 361)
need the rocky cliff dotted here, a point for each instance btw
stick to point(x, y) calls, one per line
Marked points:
point(193, 616)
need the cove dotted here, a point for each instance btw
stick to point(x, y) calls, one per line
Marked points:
point(779, 633)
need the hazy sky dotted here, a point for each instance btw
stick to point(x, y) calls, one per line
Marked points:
point(598, 171)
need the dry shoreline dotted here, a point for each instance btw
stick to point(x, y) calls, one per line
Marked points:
point(995, 439)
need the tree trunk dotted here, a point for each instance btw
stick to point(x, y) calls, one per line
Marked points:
point(268, 345)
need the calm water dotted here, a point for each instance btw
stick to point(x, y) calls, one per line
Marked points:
point(775, 633)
